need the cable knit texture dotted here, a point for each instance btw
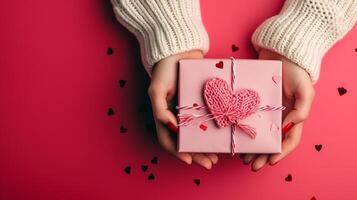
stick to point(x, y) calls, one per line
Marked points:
point(229, 106)
point(163, 28)
point(305, 30)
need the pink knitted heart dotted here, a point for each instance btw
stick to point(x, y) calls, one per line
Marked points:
point(227, 106)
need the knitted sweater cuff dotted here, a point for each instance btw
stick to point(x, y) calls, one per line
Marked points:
point(305, 30)
point(163, 28)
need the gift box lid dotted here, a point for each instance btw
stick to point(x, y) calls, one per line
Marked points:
point(262, 76)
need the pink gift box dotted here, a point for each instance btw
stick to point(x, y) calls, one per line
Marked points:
point(262, 76)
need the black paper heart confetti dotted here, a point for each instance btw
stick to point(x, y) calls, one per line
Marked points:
point(341, 91)
point(155, 160)
point(197, 181)
point(110, 112)
point(318, 147)
point(122, 83)
point(289, 178)
point(127, 170)
point(110, 51)
point(144, 168)
point(123, 129)
point(234, 48)
point(151, 177)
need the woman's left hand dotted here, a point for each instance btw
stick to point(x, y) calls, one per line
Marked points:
point(298, 95)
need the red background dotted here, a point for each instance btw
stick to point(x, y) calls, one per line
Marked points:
point(57, 83)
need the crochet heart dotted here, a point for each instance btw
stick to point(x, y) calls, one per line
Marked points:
point(229, 107)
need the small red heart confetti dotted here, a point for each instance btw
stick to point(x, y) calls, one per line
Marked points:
point(234, 48)
point(151, 177)
point(318, 147)
point(313, 198)
point(123, 129)
point(289, 178)
point(203, 127)
point(122, 83)
point(341, 91)
point(219, 64)
point(155, 160)
point(197, 181)
point(144, 168)
point(127, 170)
point(110, 51)
point(110, 112)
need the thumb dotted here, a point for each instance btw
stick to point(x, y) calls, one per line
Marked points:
point(161, 111)
point(163, 116)
point(304, 96)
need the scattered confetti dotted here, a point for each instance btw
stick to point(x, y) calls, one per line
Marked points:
point(234, 48)
point(341, 91)
point(151, 177)
point(289, 178)
point(127, 169)
point(122, 83)
point(197, 181)
point(110, 112)
point(219, 64)
point(110, 51)
point(203, 127)
point(123, 129)
point(144, 168)
point(155, 160)
point(318, 147)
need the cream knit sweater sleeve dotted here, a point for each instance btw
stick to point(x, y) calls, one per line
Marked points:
point(163, 27)
point(305, 30)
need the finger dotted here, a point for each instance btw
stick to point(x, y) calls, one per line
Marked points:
point(247, 158)
point(158, 97)
point(290, 142)
point(304, 96)
point(213, 157)
point(260, 161)
point(202, 160)
point(169, 145)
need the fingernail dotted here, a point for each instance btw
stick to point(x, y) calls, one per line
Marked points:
point(272, 164)
point(172, 127)
point(288, 127)
point(255, 169)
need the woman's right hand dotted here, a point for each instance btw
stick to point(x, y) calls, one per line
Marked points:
point(162, 92)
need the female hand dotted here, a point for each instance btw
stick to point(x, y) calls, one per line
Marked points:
point(298, 95)
point(162, 92)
